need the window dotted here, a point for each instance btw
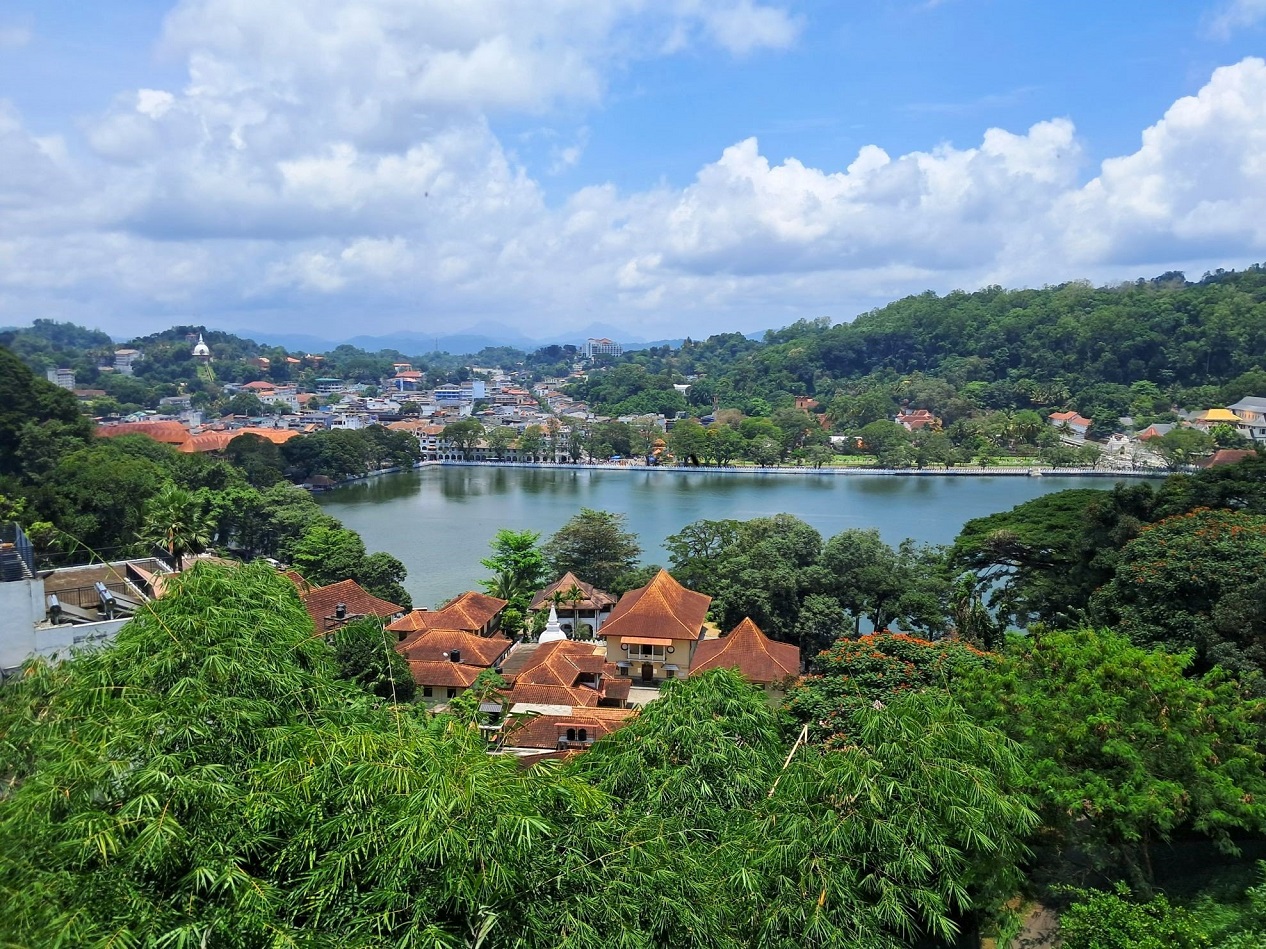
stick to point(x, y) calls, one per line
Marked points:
point(452, 693)
point(642, 651)
point(584, 734)
point(571, 734)
point(427, 691)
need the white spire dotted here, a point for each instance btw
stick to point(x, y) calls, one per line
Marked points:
point(553, 632)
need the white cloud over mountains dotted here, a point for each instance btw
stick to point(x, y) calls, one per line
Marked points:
point(329, 163)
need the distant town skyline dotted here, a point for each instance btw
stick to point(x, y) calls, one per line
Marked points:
point(665, 168)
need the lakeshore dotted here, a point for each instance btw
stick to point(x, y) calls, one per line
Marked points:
point(439, 519)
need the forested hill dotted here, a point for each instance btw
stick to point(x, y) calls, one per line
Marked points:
point(1164, 331)
point(1073, 345)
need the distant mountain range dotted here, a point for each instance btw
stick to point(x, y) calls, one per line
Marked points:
point(468, 341)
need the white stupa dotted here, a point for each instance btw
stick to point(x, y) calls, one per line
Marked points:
point(553, 632)
point(201, 350)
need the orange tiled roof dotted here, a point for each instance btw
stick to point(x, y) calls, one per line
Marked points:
point(470, 612)
point(663, 609)
point(218, 440)
point(437, 645)
point(170, 433)
point(259, 386)
point(751, 652)
point(444, 673)
point(321, 602)
point(594, 599)
point(552, 675)
point(544, 731)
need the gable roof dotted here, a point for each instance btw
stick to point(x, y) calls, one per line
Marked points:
point(321, 603)
point(470, 612)
point(444, 673)
point(551, 675)
point(544, 731)
point(594, 598)
point(1072, 418)
point(663, 609)
point(1249, 404)
point(751, 652)
point(438, 645)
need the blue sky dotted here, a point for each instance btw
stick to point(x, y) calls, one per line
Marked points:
point(663, 166)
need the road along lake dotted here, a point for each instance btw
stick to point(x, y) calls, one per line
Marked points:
point(438, 521)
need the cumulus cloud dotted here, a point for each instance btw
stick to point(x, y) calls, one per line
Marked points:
point(327, 160)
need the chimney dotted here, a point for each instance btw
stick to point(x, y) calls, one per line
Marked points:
point(340, 611)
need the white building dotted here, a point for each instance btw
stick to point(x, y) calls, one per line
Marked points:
point(124, 359)
point(64, 378)
point(50, 613)
point(601, 347)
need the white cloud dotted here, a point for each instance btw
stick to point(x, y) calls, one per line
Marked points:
point(328, 161)
point(1234, 15)
point(1195, 188)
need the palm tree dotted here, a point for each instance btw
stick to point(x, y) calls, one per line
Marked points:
point(178, 522)
point(574, 595)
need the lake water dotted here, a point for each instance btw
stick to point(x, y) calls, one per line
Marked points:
point(439, 521)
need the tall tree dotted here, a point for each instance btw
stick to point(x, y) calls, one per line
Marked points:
point(178, 522)
point(594, 545)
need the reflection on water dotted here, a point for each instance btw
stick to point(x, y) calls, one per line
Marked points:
point(439, 521)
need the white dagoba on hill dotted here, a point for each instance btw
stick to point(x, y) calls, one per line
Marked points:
point(201, 350)
point(553, 632)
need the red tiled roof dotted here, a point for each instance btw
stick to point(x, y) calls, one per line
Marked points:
point(1229, 456)
point(751, 652)
point(662, 610)
point(259, 386)
point(594, 599)
point(321, 602)
point(1072, 418)
point(544, 731)
point(437, 645)
point(470, 612)
point(295, 577)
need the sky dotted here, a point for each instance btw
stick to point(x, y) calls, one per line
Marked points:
point(664, 167)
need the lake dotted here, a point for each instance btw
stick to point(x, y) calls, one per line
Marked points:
point(439, 521)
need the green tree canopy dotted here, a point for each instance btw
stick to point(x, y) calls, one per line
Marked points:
point(593, 545)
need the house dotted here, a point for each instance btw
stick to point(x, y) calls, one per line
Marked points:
point(339, 603)
point(1073, 420)
point(565, 673)
point(1159, 430)
point(587, 612)
point(529, 729)
point(916, 420)
point(446, 662)
point(470, 612)
point(760, 659)
point(653, 631)
point(1251, 413)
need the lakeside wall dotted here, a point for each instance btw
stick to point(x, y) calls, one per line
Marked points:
point(964, 472)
